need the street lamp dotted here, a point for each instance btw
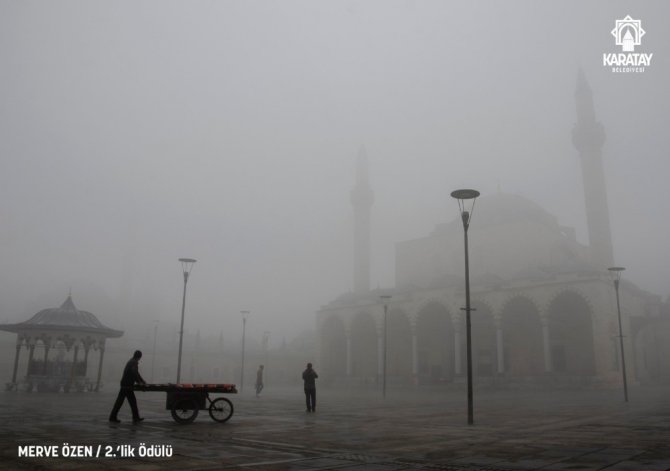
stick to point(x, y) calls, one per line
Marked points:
point(616, 276)
point(266, 346)
point(153, 353)
point(385, 299)
point(245, 314)
point(186, 267)
point(465, 197)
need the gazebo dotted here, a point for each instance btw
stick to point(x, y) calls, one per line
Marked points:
point(58, 331)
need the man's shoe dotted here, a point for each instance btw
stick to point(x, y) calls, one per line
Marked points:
point(114, 420)
point(139, 419)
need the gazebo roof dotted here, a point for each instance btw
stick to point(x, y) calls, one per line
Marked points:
point(64, 318)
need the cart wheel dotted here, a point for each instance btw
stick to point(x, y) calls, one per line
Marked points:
point(185, 411)
point(221, 409)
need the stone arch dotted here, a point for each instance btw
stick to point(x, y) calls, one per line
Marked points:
point(333, 347)
point(399, 349)
point(522, 337)
point(484, 346)
point(423, 304)
point(364, 361)
point(651, 352)
point(435, 344)
point(570, 323)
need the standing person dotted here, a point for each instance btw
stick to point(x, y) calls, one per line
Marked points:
point(259, 380)
point(308, 376)
point(131, 375)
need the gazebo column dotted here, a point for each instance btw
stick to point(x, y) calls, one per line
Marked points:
point(47, 347)
point(30, 358)
point(16, 360)
point(86, 349)
point(102, 356)
point(74, 363)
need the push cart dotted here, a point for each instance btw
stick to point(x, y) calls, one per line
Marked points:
point(185, 400)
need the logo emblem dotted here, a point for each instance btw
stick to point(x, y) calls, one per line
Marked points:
point(628, 33)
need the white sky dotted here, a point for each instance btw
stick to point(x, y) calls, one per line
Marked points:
point(134, 133)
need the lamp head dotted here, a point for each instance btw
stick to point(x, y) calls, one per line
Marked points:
point(187, 265)
point(465, 194)
point(466, 204)
point(615, 273)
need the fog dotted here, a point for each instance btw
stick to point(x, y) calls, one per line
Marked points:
point(135, 133)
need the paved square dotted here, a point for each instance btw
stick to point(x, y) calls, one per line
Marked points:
point(513, 430)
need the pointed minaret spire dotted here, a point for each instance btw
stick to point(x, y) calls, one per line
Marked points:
point(586, 113)
point(362, 199)
point(588, 137)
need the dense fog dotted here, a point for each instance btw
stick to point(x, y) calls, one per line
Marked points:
point(135, 133)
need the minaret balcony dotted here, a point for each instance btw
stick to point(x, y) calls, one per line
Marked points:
point(588, 136)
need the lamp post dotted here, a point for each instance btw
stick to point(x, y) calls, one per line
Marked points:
point(385, 299)
point(616, 275)
point(153, 353)
point(266, 346)
point(245, 314)
point(186, 267)
point(464, 197)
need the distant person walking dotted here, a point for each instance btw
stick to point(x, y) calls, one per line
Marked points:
point(131, 375)
point(308, 377)
point(259, 380)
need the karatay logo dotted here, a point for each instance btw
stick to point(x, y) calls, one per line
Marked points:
point(627, 34)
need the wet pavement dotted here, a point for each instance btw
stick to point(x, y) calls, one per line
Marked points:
point(585, 430)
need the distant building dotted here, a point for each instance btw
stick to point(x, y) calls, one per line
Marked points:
point(545, 304)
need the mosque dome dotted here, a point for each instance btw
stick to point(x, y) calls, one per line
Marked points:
point(506, 209)
point(510, 237)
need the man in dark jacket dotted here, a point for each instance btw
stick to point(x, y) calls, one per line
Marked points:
point(308, 377)
point(131, 375)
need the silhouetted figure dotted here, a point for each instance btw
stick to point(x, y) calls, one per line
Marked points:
point(308, 377)
point(259, 380)
point(131, 375)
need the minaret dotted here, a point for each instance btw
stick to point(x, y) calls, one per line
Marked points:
point(588, 137)
point(362, 199)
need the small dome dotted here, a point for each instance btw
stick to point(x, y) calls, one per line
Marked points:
point(65, 317)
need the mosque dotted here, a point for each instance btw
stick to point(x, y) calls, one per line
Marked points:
point(544, 305)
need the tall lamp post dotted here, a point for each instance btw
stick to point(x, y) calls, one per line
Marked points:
point(153, 353)
point(266, 347)
point(385, 299)
point(245, 314)
point(186, 267)
point(616, 275)
point(466, 205)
